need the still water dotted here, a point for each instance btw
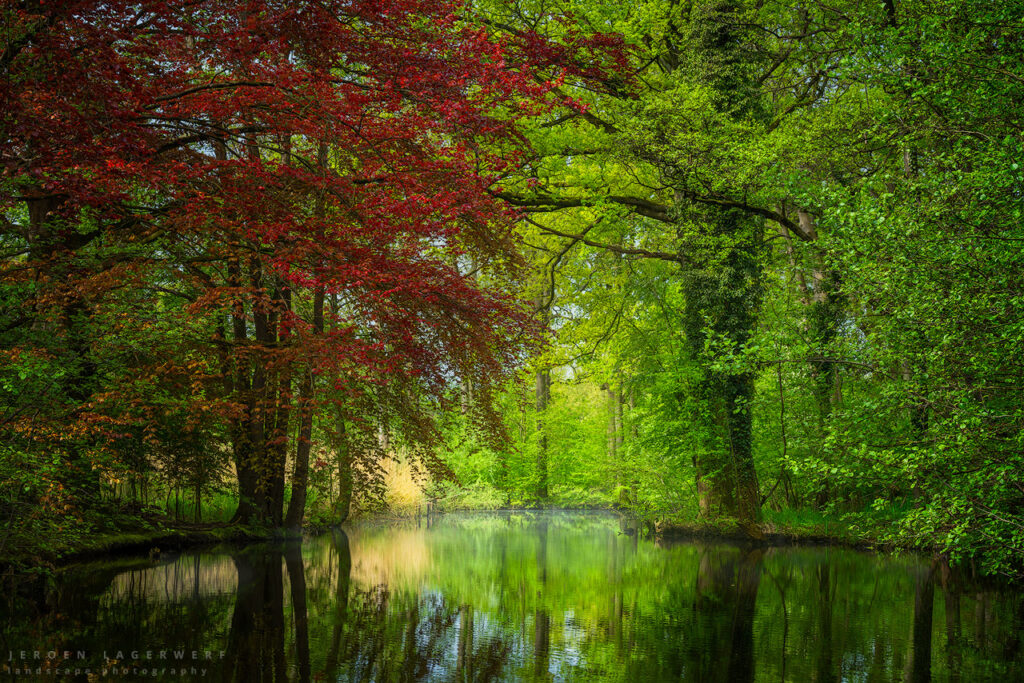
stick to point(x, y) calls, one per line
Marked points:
point(512, 597)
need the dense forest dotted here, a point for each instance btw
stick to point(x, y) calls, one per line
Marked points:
point(748, 265)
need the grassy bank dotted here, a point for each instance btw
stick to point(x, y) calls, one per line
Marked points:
point(163, 539)
point(142, 536)
point(868, 530)
point(122, 527)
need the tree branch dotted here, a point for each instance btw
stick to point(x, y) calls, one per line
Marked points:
point(643, 207)
point(628, 251)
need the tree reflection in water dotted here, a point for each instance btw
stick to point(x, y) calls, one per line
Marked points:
point(531, 597)
point(375, 634)
point(256, 641)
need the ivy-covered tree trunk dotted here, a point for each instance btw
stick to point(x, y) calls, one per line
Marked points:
point(826, 315)
point(723, 289)
point(723, 296)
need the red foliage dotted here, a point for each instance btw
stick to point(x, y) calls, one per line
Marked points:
point(261, 152)
point(116, 108)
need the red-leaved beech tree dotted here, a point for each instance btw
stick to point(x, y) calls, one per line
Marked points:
point(227, 220)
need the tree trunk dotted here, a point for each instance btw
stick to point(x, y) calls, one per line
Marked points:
point(280, 401)
point(741, 435)
point(300, 475)
point(241, 427)
point(826, 307)
point(261, 435)
point(611, 430)
point(722, 300)
point(543, 395)
point(343, 454)
point(723, 294)
point(51, 249)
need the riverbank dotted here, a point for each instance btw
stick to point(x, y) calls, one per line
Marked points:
point(803, 527)
point(136, 540)
point(160, 535)
point(771, 535)
point(161, 540)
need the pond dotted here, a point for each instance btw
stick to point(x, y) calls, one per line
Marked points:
point(515, 596)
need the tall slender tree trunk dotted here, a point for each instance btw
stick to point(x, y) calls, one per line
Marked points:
point(281, 403)
point(343, 455)
point(344, 449)
point(300, 475)
point(610, 430)
point(825, 315)
point(237, 383)
point(620, 435)
point(825, 305)
point(241, 427)
point(543, 397)
point(300, 472)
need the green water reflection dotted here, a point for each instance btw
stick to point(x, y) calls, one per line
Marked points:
point(522, 596)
